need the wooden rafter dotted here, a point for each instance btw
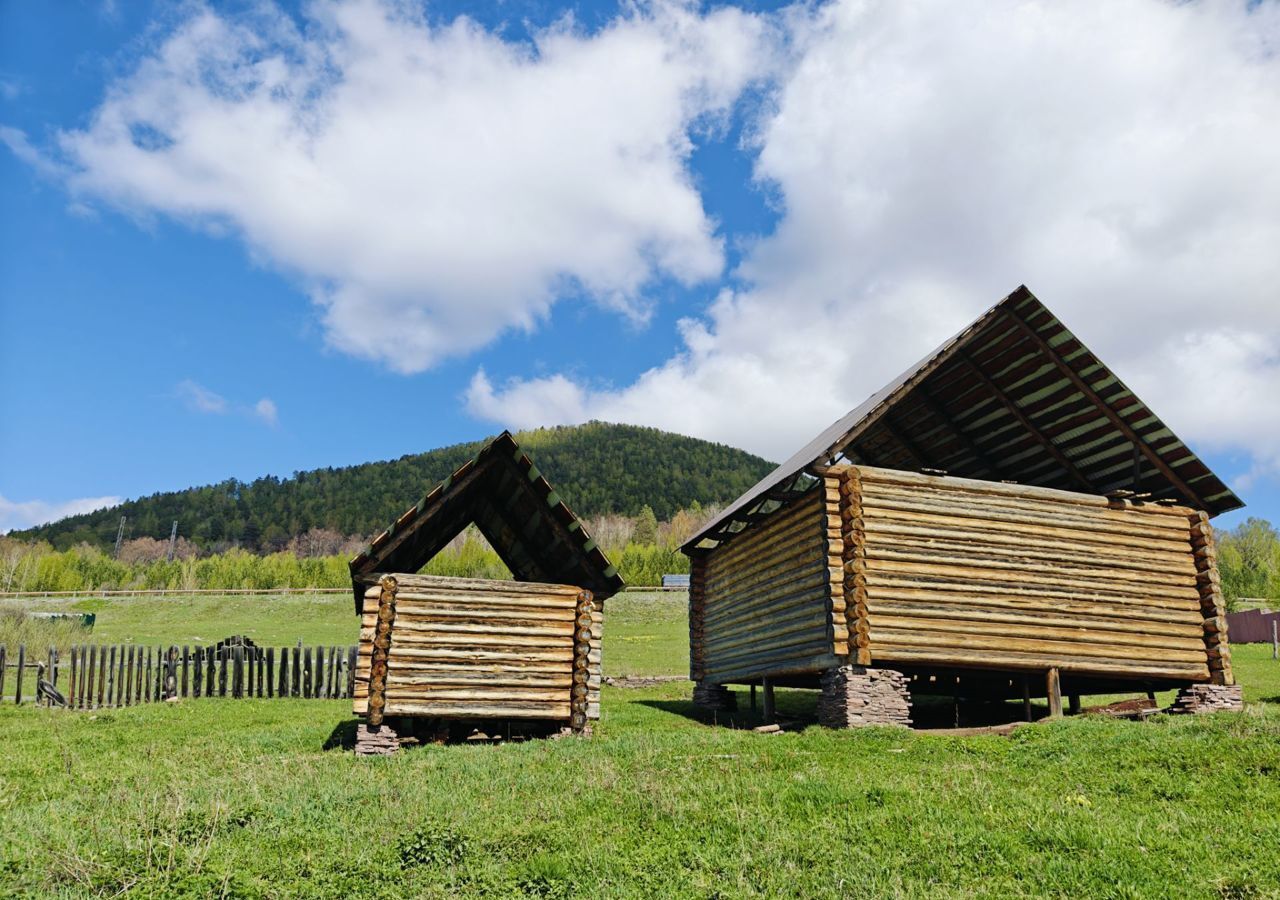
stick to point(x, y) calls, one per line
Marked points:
point(1018, 414)
point(1125, 428)
point(899, 436)
point(931, 403)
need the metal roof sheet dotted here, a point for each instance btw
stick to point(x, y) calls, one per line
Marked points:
point(1012, 396)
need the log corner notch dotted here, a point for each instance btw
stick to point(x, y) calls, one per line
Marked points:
point(381, 650)
point(1212, 605)
point(587, 658)
point(851, 586)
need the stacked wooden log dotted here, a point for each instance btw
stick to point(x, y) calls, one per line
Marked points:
point(469, 648)
point(853, 696)
point(1212, 605)
point(697, 606)
point(1207, 698)
point(764, 597)
point(956, 572)
point(587, 650)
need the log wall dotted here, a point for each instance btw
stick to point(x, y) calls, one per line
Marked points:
point(762, 603)
point(954, 572)
point(470, 648)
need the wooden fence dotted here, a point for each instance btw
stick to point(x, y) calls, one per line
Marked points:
point(94, 676)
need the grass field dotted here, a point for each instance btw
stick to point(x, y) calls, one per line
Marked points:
point(261, 798)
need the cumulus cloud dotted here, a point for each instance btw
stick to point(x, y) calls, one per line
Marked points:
point(433, 187)
point(1118, 156)
point(15, 515)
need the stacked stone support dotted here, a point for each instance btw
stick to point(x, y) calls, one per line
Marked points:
point(853, 696)
point(1207, 698)
point(713, 696)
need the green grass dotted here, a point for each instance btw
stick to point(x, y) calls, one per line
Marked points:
point(260, 798)
point(648, 631)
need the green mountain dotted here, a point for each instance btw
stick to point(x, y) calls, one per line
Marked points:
point(598, 468)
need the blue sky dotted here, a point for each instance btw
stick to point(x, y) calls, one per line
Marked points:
point(730, 221)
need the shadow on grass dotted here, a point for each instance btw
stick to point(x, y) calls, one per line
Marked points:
point(797, 709)
point(343, 736)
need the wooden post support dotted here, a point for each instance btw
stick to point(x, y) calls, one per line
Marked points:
point(1073, 704)
point(753, 698)
point(1053, 684)
point(3, 663)
point(381, 649)
point(186, 671)
point(271, 671)
point(769, 710)
point(1026, 698)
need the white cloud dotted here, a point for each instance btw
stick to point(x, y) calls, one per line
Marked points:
point(432, 186)
point(198, 398)
point(265, 409)
point(14, 515)
point(1118, 156)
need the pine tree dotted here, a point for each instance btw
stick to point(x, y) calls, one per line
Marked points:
point(646, 531)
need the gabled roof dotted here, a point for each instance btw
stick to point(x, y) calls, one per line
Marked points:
point(520, 515)
point(1015, 396)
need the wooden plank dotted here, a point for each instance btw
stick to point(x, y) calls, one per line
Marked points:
point(271, 672)
point(112, 696)
point(21, 673)
point(127, 680)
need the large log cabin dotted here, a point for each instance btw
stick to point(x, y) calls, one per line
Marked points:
point(1005, 520)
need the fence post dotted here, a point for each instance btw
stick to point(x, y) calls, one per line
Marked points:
point(352, 653)
point(222, 672)
point(3, 663)
point(186, 663)
point(210, 664)
point(271, 672)
point(295, 689)
point(22, 661)
point(1275, 638)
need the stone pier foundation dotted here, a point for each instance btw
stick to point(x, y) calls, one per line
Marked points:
point(713, 696)
point(856, 695)
point(1207, 698)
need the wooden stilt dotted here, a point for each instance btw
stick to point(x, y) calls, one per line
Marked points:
point(769, 710)
point(1054, 685)
point(1026, 698)
point(753, 698)
point(1073, 704)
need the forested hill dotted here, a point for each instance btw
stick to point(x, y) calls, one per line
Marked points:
point(598, 468)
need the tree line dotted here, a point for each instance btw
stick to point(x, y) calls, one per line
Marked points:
point(643, 548)
point(601, 469)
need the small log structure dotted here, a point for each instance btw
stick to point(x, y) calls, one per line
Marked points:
point(436, 649)
point(1074, 556)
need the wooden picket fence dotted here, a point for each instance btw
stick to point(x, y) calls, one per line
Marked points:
point(94, 676)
